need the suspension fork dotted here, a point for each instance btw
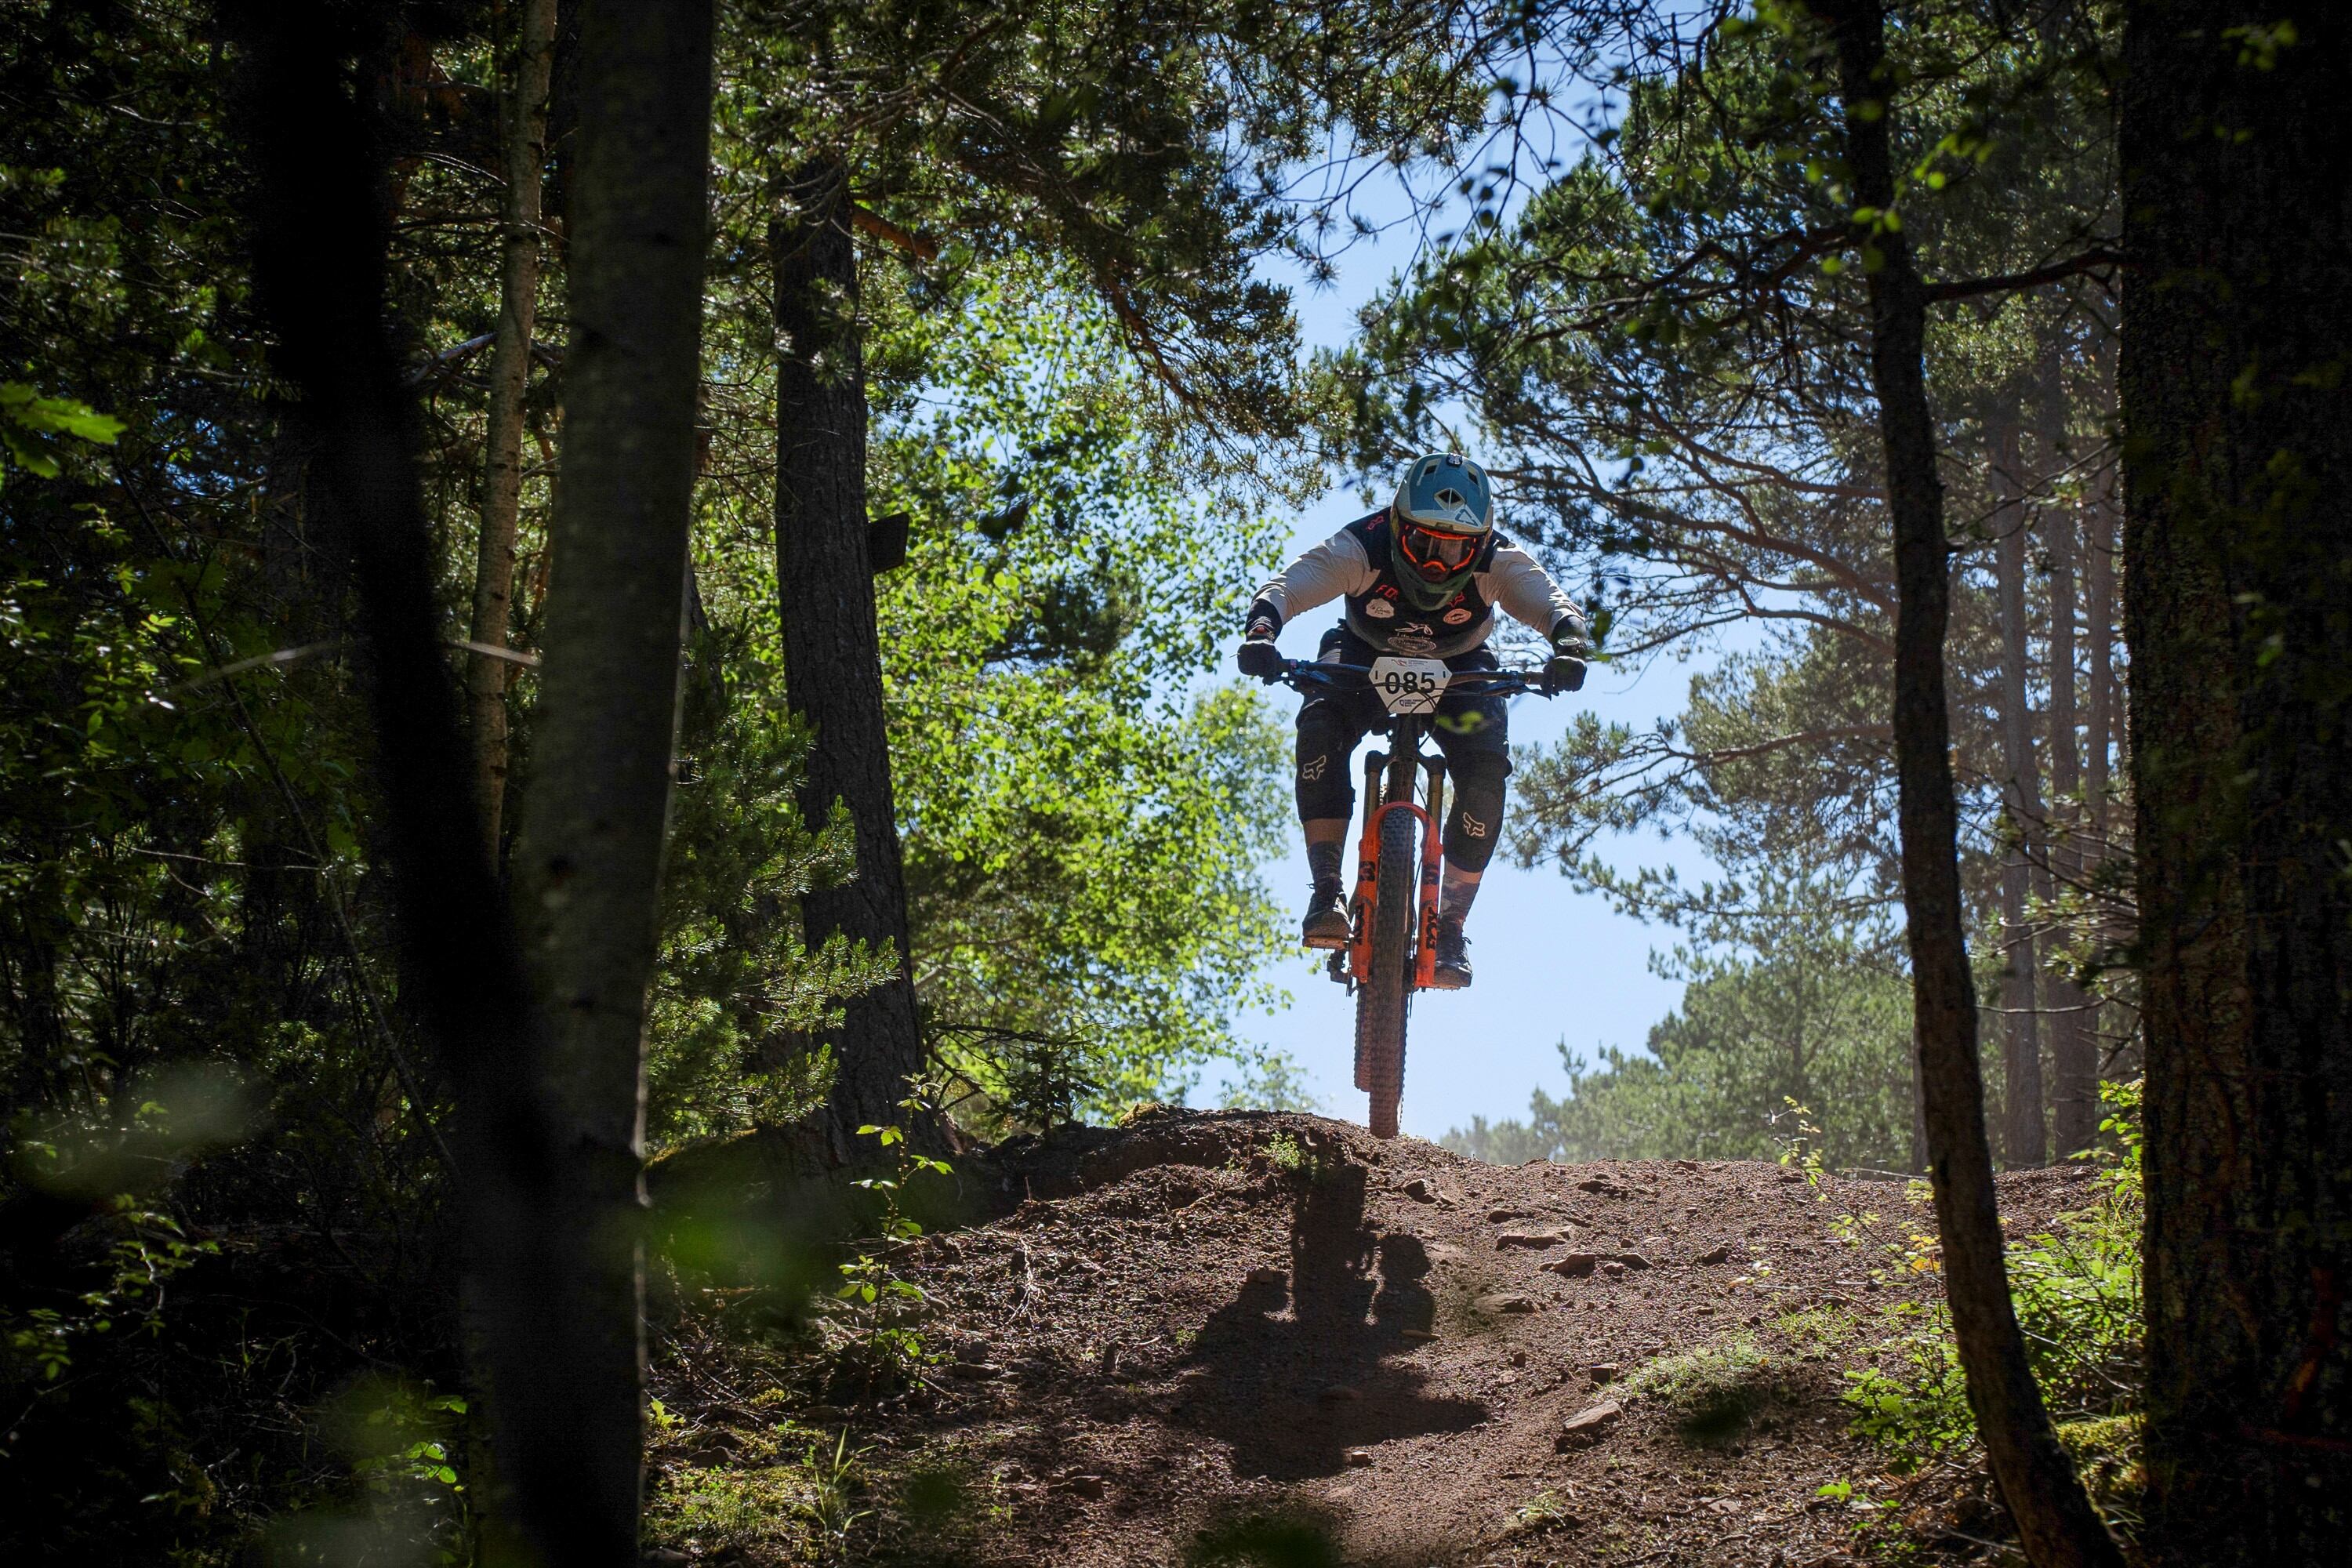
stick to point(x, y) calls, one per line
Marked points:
point(1432, 867)
point(1389, 784)
point(1367, 870)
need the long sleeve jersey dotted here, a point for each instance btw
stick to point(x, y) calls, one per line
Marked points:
point(1354, 565)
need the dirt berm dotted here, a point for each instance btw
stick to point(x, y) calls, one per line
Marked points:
point(1246, 1337)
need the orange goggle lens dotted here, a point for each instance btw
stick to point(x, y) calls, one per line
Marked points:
point(1425, 547)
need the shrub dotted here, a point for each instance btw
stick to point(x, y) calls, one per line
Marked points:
point(2077, 1292)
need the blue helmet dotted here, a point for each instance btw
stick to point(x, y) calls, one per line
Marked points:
point(1439, 522)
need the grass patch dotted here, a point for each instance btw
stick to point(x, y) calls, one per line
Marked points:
point(1712, 1392)
point(1816, 1332)
point(1312, 1160)
point(728, 1513)
point(1545, 1511)
point(802, 1509)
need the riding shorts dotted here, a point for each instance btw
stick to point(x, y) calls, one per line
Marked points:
point(1472, 732)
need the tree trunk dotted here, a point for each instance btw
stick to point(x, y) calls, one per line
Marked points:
point(2053, 1516)
point(523, 133)
point(2074, 1053)
point(2021, 1121)
point(2238, 478)
point(2100, 742)
point(320, 242)
point(588, 861)
point(833, 652)
point(2099, 613)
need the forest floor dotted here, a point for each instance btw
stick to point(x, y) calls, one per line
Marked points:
point(1259, 1338)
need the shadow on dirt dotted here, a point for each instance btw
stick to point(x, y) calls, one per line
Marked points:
point(1305, 1365)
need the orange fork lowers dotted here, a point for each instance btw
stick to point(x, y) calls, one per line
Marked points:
point(1359, 908)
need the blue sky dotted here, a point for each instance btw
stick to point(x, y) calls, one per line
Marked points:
point(1553, 963)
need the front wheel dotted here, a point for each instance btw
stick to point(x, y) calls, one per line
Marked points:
point(1387, 993)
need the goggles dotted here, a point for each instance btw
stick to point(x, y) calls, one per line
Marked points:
point(1436, 554)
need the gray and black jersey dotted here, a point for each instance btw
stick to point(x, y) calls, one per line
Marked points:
point(1354, 565)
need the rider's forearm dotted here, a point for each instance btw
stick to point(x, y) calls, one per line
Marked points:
point(1527, 591)
point(1332, 570)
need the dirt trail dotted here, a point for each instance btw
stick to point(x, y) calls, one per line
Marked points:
point(1206, 1319)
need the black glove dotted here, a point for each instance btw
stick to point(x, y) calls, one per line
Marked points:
point(1259, 657)
point(1564, 671)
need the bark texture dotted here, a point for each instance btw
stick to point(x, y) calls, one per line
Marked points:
point(319, 237)
point(2053, 1516)
point(2021, 1043)
point(2236, 142)
point(522, 143)
point(833, 652)
point(588, 862)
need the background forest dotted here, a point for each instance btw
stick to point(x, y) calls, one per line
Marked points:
point(492, 687)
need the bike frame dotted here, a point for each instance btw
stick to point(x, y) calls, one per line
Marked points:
point(1388, 780)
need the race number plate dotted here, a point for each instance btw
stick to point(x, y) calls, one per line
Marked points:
point(1409, 684)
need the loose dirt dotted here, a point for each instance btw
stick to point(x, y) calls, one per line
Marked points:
point(1274, 1334)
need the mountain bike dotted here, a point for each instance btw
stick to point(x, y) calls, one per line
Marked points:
point(1392, 949)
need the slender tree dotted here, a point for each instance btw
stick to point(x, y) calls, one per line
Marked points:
point(2099, 616)
point(588, 862)
point(2074, 1052)
point(2235, 122)
point(2053, 1515)
point(522, 146)
point(2021, 1043)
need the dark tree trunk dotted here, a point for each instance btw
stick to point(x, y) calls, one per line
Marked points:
point(2055, 1518)
point(301, 571)
point(319, 238)
point(522, 135)
point(833, 653)
point(2074, 1053)
point(588, 861)
point(2021, 1052)
point(2236, 151)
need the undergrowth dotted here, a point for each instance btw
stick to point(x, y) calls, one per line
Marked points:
point(2076, 1289)
point(794, 1508)
point(1714, 1391)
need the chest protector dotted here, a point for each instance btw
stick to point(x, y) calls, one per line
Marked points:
point(1384, 617)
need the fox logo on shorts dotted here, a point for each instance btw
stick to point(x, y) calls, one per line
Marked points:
point(1472, 826)
point(1310, 772)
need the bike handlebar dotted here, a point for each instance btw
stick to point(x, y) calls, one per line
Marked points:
point(1296, 672)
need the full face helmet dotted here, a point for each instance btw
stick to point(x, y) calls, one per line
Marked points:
point(1439, 522)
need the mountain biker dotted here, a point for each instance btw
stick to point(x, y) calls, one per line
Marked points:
point(1421, 578)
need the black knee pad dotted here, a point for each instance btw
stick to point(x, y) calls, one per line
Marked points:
point(1476, 821)
point(1326, 786)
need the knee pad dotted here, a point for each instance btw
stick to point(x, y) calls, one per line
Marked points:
point(1475, 821)
point(1326, 787)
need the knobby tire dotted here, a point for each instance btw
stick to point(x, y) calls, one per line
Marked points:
point(1387, 993)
